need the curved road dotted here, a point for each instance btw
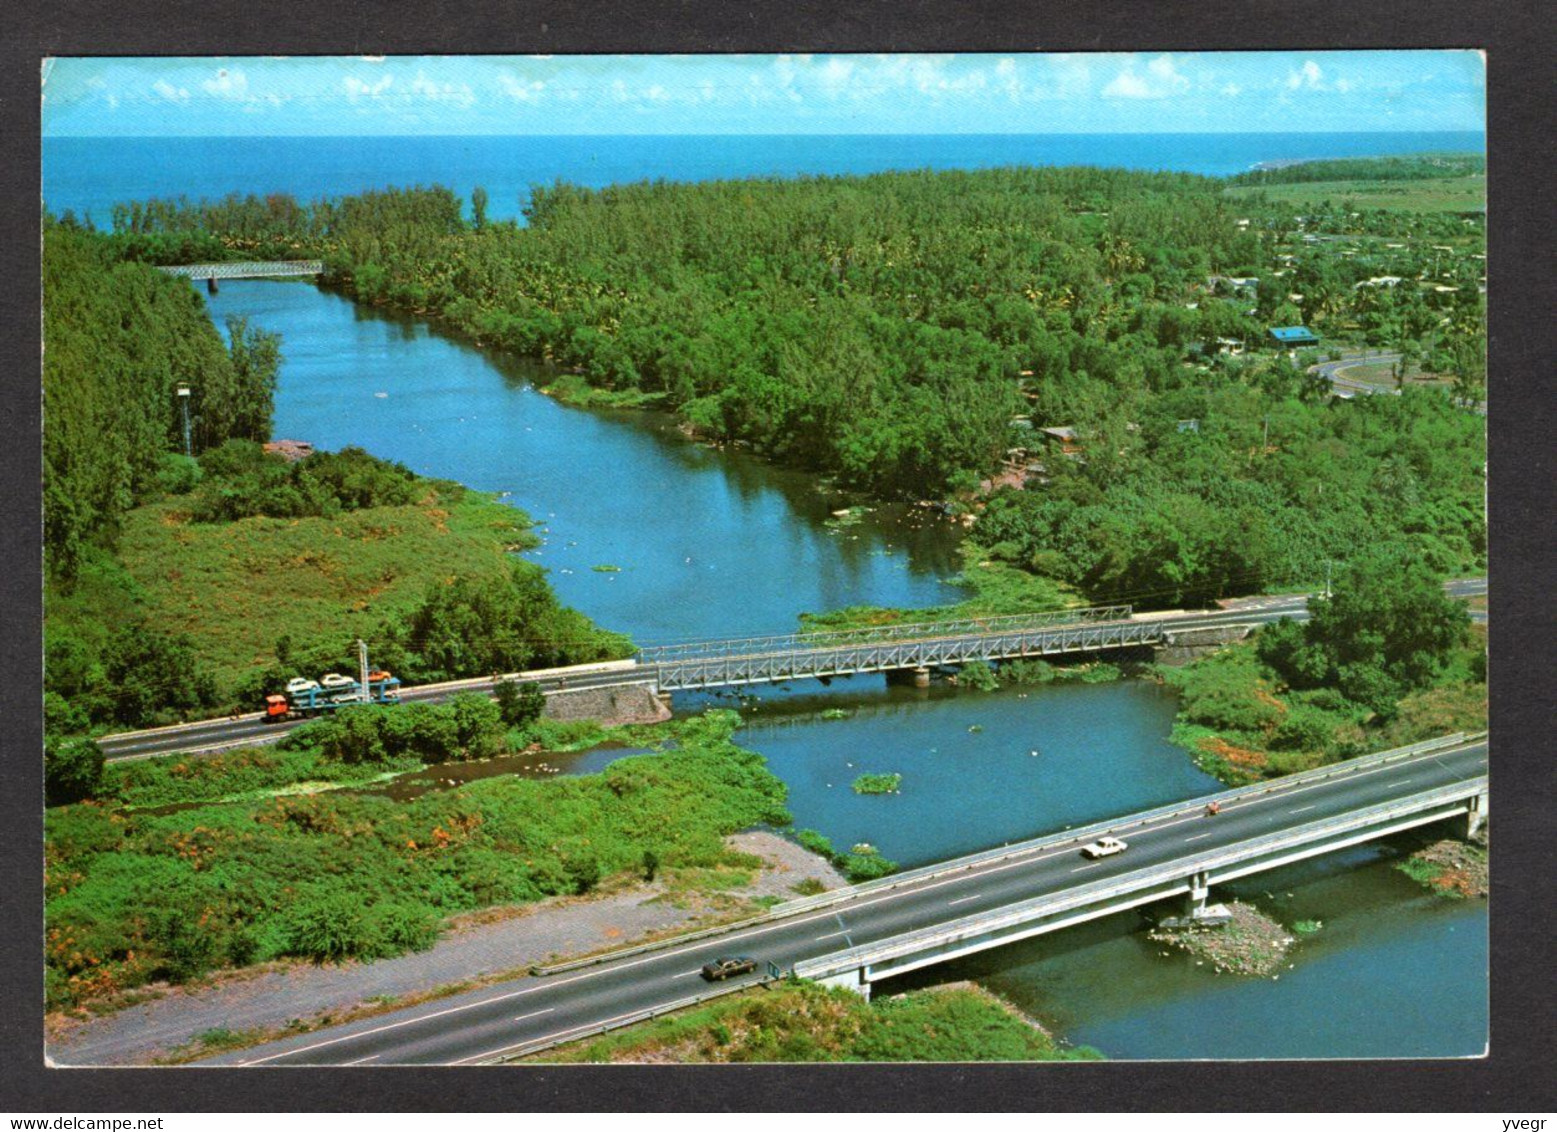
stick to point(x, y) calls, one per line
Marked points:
point(497, 1021)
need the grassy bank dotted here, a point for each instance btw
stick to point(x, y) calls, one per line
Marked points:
point(996, 589)
point(802, 1022)
point(134, 897)
point(1445, 194)
point(236, 588)
point(1243, 724)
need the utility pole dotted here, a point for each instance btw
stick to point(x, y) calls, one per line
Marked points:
point(1267, 432)
point(1327, 579)
point(362, 670)
point(183, 401)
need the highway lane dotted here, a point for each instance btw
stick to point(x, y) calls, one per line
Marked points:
point(489, 1023)
point(253, 728)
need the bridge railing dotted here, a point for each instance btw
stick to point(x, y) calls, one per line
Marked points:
point(916, 630)
point(1082, 895)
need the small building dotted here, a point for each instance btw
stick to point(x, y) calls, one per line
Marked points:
point(1064, 439)
point(290, 450)
point(1293, 337)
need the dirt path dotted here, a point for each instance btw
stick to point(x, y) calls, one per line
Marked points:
point(484, 946)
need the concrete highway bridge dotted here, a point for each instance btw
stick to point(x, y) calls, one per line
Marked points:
point(909, 649)
point(860, 935)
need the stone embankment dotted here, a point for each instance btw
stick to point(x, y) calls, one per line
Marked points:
point(612, 705)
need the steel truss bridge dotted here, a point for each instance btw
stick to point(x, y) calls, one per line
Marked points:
point(758, 660)
point(268, 269)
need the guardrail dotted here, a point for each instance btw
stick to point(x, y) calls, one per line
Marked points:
point(592, 1029)
point(1094, 892)
point(1067, 836)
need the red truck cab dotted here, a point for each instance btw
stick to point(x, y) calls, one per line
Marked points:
point(276, 707)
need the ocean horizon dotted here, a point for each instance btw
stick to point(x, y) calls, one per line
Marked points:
point(89, 175)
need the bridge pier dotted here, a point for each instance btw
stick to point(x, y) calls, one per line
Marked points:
point(853, 980)
point(1476, 816)
point(1195, 901)
point(210, 284)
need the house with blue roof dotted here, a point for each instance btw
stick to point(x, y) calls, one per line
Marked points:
point(1292, 337)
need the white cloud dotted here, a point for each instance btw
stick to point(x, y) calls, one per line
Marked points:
point(355, 88)
point(518, 89)
point(227, 84)
point(170, 92)
point(1162, 80)
point(1127, 84)
point(458, 95)
point(1308, 75)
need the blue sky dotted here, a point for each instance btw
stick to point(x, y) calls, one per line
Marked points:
point(1151, 92)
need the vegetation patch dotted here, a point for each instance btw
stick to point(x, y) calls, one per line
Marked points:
point(1251, 943)
point(861, 863)
point(1388, 660)
point(804, 1022)
point(878, 784)
point(1451, 868)
point(133, 897)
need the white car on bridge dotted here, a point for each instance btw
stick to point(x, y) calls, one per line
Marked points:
point(1104, 847)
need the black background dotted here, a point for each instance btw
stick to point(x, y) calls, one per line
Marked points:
point(1516, 1077)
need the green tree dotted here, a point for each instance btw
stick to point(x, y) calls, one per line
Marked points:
point(72, 771)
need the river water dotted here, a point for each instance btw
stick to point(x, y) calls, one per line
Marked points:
point(715, 543)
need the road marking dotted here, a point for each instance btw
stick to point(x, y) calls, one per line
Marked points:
point(964, 899)
point(1093, 865)
point(831, 935)
point(535, 1014)
point(1199, 836)
point(684, 974)
point(1304, 809)
point(364, 1060)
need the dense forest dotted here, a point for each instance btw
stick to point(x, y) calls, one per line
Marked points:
point(119, 338)
point(910, 333)
point(1419, 167)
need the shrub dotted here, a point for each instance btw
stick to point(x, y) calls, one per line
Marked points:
point(72, 771)
point(877, 783)
point(977, 675)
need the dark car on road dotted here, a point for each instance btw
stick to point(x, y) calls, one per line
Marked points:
point(728, 968)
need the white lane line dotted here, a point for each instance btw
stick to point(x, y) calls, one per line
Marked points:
point(686, 974)
point(1093, 865)
point(535, 1014)
point(1304, 809)
point(1199, 836)
point(364, 1060)
point(964, 899)
point(831, 935)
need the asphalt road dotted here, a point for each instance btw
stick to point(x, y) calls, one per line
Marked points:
point(493, 1022)
point(253, 728)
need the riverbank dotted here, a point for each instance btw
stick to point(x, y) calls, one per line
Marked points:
point(1451, 868)
point(805, 1022)
point(177, 1023)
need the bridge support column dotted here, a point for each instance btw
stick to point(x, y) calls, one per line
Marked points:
point(921, 677)
point(1476, 816)
point(210, 284)
point(1195, 902)
point(850, 980)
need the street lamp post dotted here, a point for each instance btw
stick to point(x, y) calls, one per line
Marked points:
point(183, 401)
